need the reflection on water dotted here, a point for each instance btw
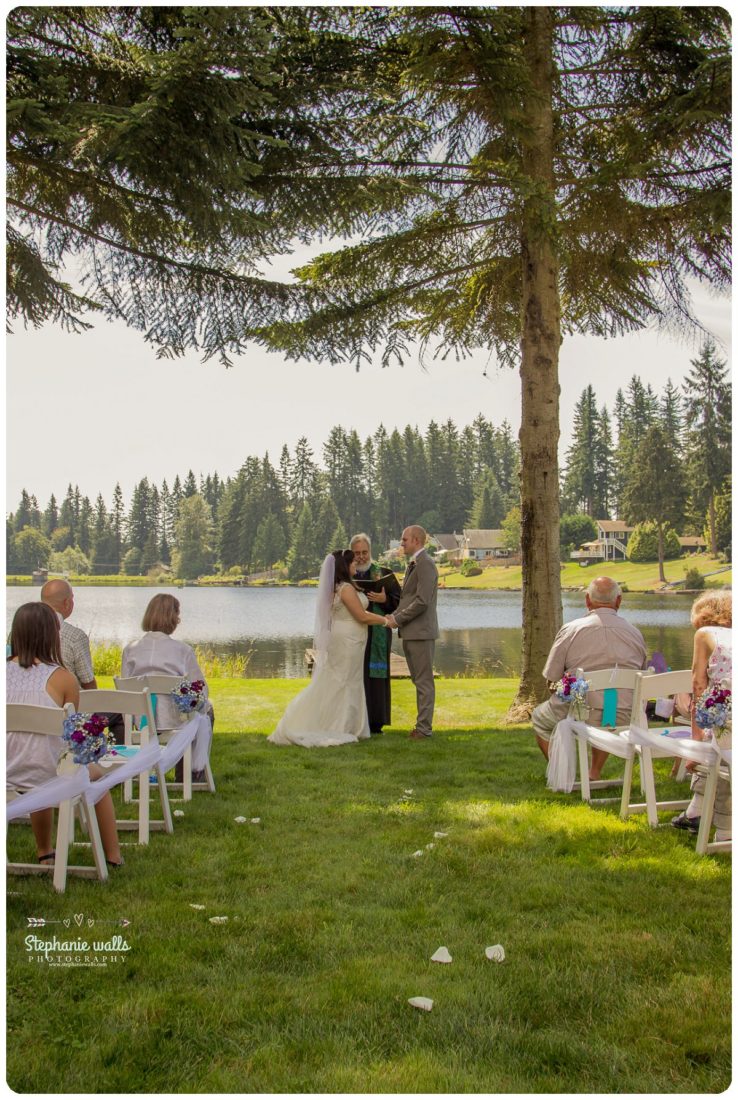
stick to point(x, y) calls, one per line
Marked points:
point(480, 631)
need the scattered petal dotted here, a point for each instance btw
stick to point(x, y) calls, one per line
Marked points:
point(418, 853)
point(441, 956)
point(421, 1002)
point(179, 813)
point(240, 820)
point(439, 835)
point(218, 920)
point(255, 820)
point(496, 953)
point(429, 846)
point(410, 791)
point(193, 906)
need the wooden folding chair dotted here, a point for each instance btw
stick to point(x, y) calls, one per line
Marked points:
point(64, 793)
point(146, 758)
point(159, 684)
point(601, 737)
point(721, 767)
point(660, 743)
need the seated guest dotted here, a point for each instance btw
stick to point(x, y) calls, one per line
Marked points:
point(599, 639)
point(158, 653)
point(712, 663)
point(75, 645)
point(35, 675)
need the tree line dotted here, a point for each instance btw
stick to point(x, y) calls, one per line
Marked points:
point(445, 479)
point(292, 511)
point(659, 458)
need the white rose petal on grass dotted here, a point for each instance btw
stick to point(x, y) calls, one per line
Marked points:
point(496, 953)
point(255, 820)
point(193, 906)
point(429, 846)
point(442, 955)
point(410, 791)
point(421, 1002)
point(179, 813)
point(240, 820)
point(418, 853)
point(439, 835)
point(218, 920)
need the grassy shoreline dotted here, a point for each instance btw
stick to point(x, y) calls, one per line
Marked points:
point(637, 577)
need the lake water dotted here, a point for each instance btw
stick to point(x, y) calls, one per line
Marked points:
point(480, 631)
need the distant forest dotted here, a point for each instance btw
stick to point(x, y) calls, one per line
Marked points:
point(655, 457)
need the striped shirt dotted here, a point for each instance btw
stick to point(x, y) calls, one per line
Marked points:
point(75, 651)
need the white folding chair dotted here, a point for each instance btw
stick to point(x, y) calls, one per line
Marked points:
point(653, 743)
point(148, 756)
point(606, 738)
point(159, 684)
point(721, 767)
point(63, 792)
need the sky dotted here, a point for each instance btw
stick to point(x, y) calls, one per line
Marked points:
point(98, 407)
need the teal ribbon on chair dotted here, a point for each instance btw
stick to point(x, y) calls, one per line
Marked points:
point(144, 720)
point(610, 707)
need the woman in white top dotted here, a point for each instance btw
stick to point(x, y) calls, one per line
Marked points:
point(159, 653)
point(35, 675)
point(712, 665)
point(332, 708)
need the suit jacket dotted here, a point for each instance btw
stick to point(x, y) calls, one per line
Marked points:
point(416, 613)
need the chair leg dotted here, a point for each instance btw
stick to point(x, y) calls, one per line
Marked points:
point(166, 811)
point(61, 859)
point(584, 769)
point(627, 785)
point(93, 829)
point(209, 778)
point(708, 806)
point(144, 809)
point(682, 771)
point(647, 781)
point(187, 775)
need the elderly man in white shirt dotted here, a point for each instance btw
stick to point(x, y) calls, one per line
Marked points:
point(599, 639)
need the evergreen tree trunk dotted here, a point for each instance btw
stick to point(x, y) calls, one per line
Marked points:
point(541, 338)
point(713, 533)
point(662, 574)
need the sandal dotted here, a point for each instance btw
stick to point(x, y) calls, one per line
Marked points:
point(48, 858)
point(112, 863)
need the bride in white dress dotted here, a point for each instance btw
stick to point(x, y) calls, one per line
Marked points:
point(332, 708)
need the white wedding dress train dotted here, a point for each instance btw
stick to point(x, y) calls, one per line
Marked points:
point(331, 710)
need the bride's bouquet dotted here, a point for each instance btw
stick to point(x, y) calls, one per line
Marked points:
point(572, 689)
point(714, 708)
point(189, 696)
point(87, 737)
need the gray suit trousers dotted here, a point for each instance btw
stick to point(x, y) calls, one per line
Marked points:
point(419, 654)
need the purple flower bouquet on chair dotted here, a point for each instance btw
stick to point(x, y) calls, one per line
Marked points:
point(573, 689)
point(87, 737)
point(189, 696)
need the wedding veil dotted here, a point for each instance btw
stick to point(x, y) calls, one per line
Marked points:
point(324, 609)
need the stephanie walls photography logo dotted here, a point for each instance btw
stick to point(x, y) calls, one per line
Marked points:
point(74, 943)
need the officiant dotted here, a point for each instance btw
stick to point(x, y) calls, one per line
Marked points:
point(383, 591)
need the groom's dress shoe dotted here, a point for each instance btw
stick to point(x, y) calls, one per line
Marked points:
point(416, 735)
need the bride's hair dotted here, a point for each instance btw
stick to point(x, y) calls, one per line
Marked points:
point(343, 561)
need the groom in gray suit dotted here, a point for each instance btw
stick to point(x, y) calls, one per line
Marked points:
point(418, 625)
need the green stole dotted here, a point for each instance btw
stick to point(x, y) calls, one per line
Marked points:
point(379, 651)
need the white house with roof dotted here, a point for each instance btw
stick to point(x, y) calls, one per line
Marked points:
point(482, 545)
point(610, 545)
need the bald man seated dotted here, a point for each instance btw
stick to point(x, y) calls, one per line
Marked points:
point(75, 645)
point(599, 639)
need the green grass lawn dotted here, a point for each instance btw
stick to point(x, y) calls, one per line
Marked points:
point(638, 577)
point(617, 975)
